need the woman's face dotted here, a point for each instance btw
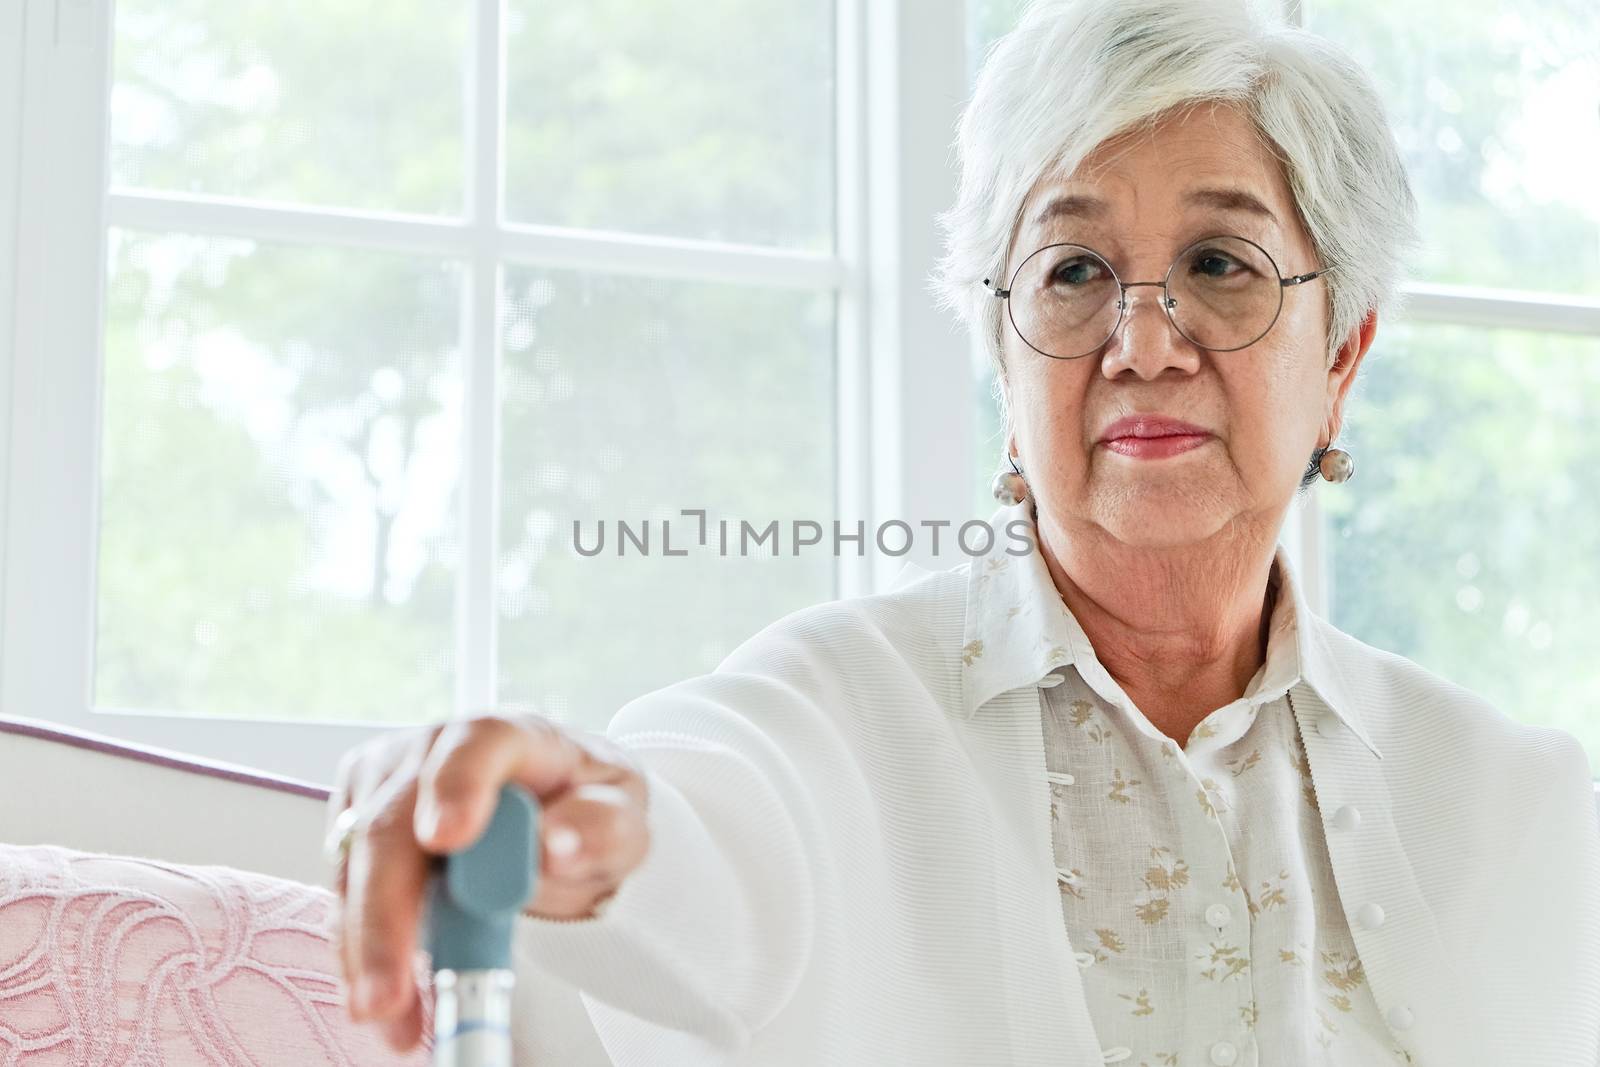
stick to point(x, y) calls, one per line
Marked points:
point(1265, 407)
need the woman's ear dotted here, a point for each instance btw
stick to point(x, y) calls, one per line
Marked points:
point(1342, 374)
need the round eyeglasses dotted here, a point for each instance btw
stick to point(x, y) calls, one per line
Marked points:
point(1223, 293)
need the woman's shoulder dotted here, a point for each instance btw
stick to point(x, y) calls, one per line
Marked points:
point(915, 602)
point(916, 621)
point(1414, 712)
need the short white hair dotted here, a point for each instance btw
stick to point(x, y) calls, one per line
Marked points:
point(1073, 73)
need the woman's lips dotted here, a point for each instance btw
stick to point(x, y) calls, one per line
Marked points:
point(1157, 447)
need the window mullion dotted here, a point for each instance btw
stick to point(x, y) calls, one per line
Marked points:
point(55, 382)
point(921, 410)
point(416, 235)
point(476, 631)
point(853, 458)
point(12, 24)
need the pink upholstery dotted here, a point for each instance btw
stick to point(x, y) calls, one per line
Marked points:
point(114, 960)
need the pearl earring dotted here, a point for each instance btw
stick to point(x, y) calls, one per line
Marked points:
point(1009, 487)
point(1336, 465)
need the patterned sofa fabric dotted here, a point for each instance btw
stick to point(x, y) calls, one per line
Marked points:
point(115, 960)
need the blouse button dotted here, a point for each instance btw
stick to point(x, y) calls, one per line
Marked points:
point(1223, 1053)
point(1050, 681)
point(1218, 915)
point(1347, 818)
point(1327, 724)
point(1115, 1055)
point(1400, 1017)
point(1085, 959)
point(1370, 916)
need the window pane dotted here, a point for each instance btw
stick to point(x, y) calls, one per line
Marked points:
point(708, 120)
point(277, 533)
point(1469, 539)
point(348, 103)
point(1495, 108)
point(629, 399)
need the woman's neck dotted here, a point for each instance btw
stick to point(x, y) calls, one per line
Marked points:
point(1182, 629)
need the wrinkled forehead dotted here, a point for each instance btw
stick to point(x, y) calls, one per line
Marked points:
point(1186, 179)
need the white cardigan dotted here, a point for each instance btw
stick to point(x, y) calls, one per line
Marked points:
point(851, 859)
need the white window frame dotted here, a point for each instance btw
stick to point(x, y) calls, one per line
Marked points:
point(904, 395)
point(899, 84)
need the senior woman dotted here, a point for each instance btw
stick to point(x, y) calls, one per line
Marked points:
point(1116, 795)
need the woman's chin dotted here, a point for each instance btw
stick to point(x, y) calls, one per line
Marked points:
point(1166, 516)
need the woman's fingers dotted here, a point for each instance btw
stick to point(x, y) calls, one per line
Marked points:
point(426, 793)
point(590, 792)
point(612, 840)
point(472, 759)
point(361, 772)
point(404, 1029)
point(383, 907)
point(385, 881)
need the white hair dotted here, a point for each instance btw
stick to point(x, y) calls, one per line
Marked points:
point(1073, 73)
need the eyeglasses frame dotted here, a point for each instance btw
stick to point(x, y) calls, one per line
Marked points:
point(1167, 301)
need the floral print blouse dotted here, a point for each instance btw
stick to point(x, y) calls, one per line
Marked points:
point(1195, 881)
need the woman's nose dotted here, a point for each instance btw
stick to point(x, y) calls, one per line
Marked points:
point(1146, 341)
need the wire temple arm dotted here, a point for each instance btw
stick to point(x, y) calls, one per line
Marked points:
point(1298, 278)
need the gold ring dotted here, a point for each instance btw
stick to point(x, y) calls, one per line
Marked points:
point(336, 848)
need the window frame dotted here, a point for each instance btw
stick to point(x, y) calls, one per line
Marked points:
point(891, 447)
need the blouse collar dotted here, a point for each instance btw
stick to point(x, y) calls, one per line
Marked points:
point(1018, 629)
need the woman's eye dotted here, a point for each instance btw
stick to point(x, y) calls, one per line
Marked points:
point(1214, 263)
point(1076, 271)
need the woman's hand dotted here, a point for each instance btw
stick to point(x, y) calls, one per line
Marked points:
point(427, 792)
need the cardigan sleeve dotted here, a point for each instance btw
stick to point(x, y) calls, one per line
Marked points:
point(707, 939)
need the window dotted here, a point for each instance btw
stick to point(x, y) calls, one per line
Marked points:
point(1467, 541)
point(327, 358)
point(1470, 544)
point(311, 397)
point(281, 522)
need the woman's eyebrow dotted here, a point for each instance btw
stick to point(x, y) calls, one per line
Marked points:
point(1082, 206)
point(1074, 205)
point(1229, 200)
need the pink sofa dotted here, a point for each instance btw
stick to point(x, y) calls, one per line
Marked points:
point(123, 942)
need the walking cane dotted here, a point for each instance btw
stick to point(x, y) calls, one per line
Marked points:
point(473, 902)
